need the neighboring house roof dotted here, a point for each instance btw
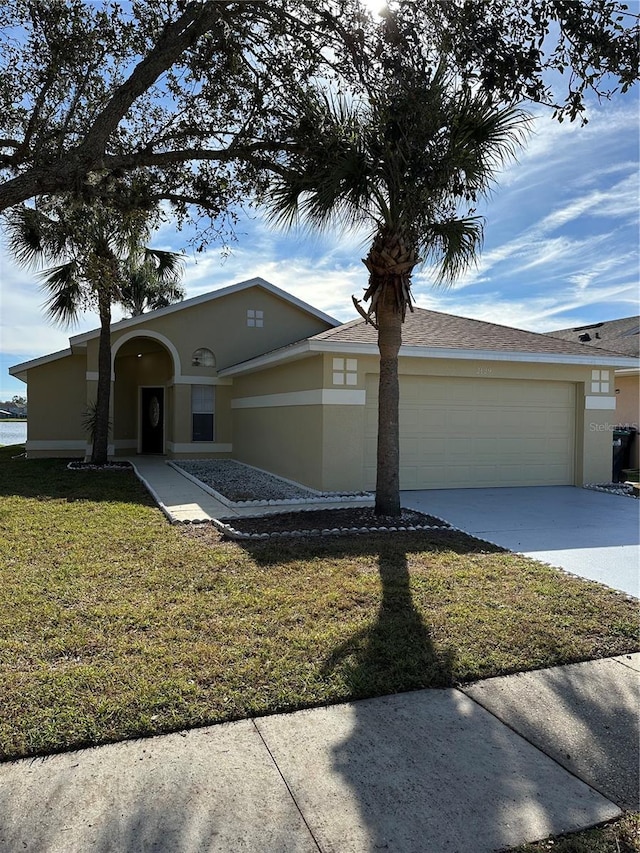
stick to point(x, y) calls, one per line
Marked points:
point(438, 335)
point(205, 298)
point(622, 336)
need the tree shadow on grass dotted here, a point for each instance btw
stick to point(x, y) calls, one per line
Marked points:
point(397, 652)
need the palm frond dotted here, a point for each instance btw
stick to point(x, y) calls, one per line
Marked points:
point(484, 139)
point(168, 266)
point(32, 239)
point(66, 293)
point(328, 181)
point(454, 245)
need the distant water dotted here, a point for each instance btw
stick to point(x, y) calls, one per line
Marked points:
point(13, 433)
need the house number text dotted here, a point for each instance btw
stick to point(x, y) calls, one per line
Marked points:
point(484, 371)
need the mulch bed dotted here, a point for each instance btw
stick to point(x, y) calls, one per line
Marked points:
point(318, 520)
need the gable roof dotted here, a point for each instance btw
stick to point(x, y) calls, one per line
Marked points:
point(19, 370)
point(622, 336)
point(434, 334)
point(204, 299)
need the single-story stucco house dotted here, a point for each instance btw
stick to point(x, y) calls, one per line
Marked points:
point(253, 373)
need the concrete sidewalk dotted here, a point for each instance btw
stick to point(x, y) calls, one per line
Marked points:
point(433, 770)
point(182, 500)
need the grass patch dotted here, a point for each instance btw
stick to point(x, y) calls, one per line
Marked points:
point(115, 624)
point(620, 836)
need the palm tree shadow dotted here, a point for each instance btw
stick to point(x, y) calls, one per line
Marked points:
point(397, 652)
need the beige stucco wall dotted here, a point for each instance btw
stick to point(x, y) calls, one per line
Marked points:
point(343, 459)
point(285, 439)
point(57, 403)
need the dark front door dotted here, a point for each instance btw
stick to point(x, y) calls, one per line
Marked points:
point(152, 439)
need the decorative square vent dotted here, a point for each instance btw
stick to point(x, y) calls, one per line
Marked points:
point(345, 371)
point(255, 318)
point(599, 381)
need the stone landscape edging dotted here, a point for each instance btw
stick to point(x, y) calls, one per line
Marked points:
point(233, 533)
point(609, 490)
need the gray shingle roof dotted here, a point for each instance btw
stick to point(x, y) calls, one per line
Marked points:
point(424, 328)
point(621, 336)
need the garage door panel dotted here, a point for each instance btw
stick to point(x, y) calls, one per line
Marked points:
point(410, 420)
point(479, 432)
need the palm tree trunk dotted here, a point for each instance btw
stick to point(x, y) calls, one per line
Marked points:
point(389, 320)
point(100, 450)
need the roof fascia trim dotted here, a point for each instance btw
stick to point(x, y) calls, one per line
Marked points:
point(270, 359)
point(37, 362)
point(315, 346)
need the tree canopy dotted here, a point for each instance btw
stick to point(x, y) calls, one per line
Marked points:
point(190, 96)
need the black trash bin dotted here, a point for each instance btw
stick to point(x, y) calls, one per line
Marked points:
point(622, 441)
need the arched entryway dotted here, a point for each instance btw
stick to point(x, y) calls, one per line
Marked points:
point(144, 370)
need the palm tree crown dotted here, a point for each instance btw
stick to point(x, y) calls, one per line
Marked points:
point(402, 162)
point(151, 279)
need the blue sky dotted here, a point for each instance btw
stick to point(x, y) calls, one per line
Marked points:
point(561, 248)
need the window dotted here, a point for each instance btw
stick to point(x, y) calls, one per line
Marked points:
point(255, 318)
point(203, 357)
point(345, 371)
point(202, 412)
point(599, 381)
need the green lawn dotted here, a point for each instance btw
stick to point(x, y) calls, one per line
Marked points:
point(115, 624)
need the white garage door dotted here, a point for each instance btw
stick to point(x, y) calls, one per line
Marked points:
point(465, 433)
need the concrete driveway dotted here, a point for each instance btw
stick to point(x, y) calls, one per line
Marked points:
point(592, 534)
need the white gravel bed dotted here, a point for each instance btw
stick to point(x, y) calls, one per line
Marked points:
point(241, 483)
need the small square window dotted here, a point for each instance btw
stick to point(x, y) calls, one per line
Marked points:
point(255, 318)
